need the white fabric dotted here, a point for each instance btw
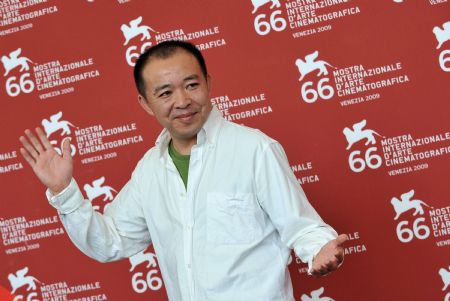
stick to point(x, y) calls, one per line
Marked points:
point(228, 237)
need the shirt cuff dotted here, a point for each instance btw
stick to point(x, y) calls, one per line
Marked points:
point(308, 256)
point(307, 247)
point(68, 200)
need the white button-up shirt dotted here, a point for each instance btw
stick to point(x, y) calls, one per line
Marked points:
point(227, 237)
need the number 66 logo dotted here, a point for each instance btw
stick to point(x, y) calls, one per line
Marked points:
point(405, 234)
point(263, 27)
point(25, 85)
point(31, 297)
point(324, 91)
point(151, 282)
point(142, 282)
point(131, 55)
point(444, 58)
point(371, 160)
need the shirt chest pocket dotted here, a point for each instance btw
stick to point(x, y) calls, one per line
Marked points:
point(232, 218)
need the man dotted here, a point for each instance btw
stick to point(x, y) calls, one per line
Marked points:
point(217, 200)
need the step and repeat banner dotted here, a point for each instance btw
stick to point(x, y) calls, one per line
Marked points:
point(357, 92)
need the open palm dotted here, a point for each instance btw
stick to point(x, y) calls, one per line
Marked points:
point(53, 170)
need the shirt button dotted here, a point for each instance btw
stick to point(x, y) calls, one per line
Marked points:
point(189, 266)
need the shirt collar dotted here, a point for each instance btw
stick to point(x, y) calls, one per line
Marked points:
point(207, 134)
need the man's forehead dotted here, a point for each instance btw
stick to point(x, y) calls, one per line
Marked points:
point(167, 70)
point(170, 65)
point(178, 56)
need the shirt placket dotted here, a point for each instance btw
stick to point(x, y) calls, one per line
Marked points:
point(194, 174)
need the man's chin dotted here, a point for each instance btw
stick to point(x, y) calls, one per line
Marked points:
point(186, 134)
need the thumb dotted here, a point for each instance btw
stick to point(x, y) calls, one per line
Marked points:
point(341, 239)
point(66, 152)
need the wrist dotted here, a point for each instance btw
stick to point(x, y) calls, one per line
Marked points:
point(57, 189)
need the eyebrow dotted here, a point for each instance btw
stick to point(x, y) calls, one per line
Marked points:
point(157, 89)
point(190, 77)
point(162, 87)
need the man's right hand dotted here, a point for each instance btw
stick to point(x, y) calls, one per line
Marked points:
point(53, 170)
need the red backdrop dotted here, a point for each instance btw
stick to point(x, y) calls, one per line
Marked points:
point(356, 91)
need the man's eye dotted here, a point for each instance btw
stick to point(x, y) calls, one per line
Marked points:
point(192, 86)
point(164, 94)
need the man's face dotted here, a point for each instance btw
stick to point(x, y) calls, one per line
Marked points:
point(177, 94)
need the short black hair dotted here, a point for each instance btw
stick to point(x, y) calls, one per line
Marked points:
point(165, 50)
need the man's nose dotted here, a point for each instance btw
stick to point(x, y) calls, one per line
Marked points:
point(183, 99)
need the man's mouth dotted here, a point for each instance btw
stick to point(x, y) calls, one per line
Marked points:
point(186, 117)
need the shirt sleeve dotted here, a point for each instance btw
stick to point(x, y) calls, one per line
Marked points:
point(120, 232)
point(285, 202)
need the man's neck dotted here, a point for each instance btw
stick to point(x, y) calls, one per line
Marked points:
point(183, 147)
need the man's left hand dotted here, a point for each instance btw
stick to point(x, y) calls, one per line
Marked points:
point(329, 257)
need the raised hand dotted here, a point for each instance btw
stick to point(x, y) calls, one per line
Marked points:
point(329, 257)
point(53, 170)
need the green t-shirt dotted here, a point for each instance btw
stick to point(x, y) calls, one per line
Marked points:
point(181, 162)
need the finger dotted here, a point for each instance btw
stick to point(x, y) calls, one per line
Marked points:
point(332, 265)
point(66, 148)
point(319, 272)
point(43, 138)
point(340, 255)
point(36, 144)
point(30, 149)
point(315, 273)
point(341, 239)
point(27, 157)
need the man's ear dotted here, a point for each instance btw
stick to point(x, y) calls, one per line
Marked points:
point(144, 104)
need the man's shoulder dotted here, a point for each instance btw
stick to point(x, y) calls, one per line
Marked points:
point(150, 157)
point(151, 154)
point(243, 133)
